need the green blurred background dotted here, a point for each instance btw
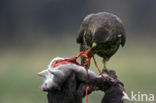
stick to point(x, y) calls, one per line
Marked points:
point(32, 32)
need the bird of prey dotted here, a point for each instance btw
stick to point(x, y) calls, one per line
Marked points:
point(102, 31)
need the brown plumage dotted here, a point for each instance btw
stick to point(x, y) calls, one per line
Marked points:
point(104, 31)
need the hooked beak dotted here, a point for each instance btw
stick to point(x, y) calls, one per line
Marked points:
point(94, 45)
point(93, 48)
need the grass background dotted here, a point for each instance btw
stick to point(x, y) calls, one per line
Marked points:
point(135, 66)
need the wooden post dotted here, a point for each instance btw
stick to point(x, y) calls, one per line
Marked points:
point(73, 90)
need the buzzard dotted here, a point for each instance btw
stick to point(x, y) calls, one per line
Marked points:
point(104, 32)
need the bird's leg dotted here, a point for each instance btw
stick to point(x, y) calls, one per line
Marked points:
point(105, 67)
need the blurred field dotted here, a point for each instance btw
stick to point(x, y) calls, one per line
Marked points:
point(135, 66)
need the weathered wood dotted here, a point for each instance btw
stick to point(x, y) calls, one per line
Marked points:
point(73, 90)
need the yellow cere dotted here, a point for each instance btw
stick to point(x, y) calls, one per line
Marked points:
point(94, 44)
